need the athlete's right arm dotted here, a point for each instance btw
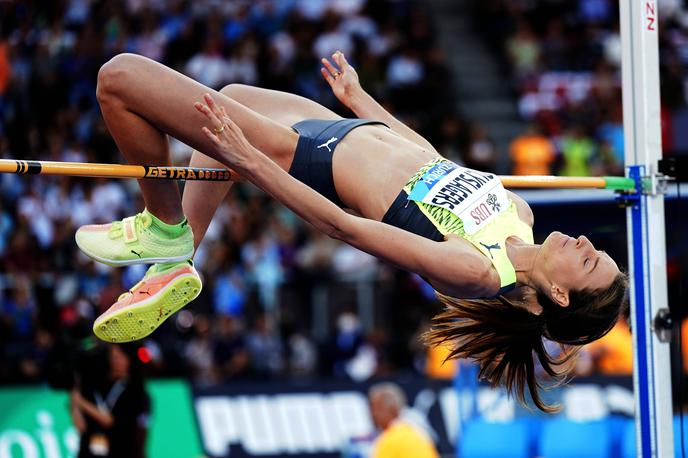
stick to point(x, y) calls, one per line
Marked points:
point(348, 90)
point(454, 268)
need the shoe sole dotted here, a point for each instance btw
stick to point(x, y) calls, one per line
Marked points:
point(131, 262)
point(141, 319)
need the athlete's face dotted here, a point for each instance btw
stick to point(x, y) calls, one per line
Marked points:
point(568, 263)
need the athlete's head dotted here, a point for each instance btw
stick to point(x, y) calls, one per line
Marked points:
point(564, 265)
point(581, 290)
point(580, 294)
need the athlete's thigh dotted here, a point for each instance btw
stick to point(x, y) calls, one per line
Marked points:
point(282, 107)
point(166, 99)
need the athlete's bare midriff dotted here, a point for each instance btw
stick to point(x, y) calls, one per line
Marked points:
point(371, 165)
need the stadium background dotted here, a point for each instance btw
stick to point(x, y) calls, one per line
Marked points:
point(283, 306)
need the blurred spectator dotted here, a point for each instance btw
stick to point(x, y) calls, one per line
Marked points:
point(110, 406)
point(481, 153)
point(208, 66)
point(230, 291)
point(611, 137)
point(345, 344)
point(230, 354)
point(265, 348)
point(399, 437)
point(578, 152)
point(263, 267)
point(523, 50)
point(613, 353)
point(6, 228)
point(199, 352)
point(303, 356)
point(18, 310)
point(333, 37)
point(450, 140)
point(437, 365)
point(532, 153)
point(351, 264)
point(19, 258)
point(315, 256)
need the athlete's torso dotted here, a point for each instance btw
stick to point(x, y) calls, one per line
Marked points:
point(372, 164)
point(472, 205)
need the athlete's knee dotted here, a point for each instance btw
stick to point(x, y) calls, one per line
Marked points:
point(114, 76)
point(235, 90)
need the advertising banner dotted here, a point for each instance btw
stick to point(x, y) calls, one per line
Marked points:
point(35, 423)
point(332, 419)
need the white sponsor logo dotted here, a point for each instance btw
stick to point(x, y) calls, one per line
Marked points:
point(327, 144)
point(283, 423)
point(475, 197)
point(43, 441)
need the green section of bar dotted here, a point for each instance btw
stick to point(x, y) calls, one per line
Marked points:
point(619, 183)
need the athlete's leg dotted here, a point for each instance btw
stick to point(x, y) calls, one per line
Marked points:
point(168, 287)
point(281, 107)
point(201, 198)
point(142, 101)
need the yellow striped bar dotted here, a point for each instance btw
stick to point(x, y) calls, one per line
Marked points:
point(84, 169)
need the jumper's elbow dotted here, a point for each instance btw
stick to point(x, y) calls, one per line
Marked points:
point(333, 231)
point(339, 228)
point(483, 280)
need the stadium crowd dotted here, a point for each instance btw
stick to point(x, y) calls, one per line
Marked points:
point(266, 273)
point(260, 264)
point(564, 61)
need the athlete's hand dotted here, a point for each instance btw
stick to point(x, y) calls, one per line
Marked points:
point(229, 141)
point(341, 77)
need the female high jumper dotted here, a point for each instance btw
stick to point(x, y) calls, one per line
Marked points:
point(371, 182)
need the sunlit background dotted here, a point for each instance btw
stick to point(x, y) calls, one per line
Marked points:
point(276, 356)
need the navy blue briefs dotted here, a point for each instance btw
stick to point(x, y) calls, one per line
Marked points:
point(312, 163)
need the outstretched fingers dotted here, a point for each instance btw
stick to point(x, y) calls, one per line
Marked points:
point(212, 117)
point(223, 131)
point(212, 105)
point(331, 69)
point(340, 60)
point(327, 75)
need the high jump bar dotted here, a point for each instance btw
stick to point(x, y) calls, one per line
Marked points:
point(95, 170)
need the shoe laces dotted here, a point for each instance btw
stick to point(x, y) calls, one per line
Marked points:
point(141, 221)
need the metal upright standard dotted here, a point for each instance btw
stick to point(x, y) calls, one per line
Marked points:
point(646, 237)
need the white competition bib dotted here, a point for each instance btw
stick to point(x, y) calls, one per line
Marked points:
point(477, 198)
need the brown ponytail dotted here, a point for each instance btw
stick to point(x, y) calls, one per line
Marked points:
point(503, 339)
